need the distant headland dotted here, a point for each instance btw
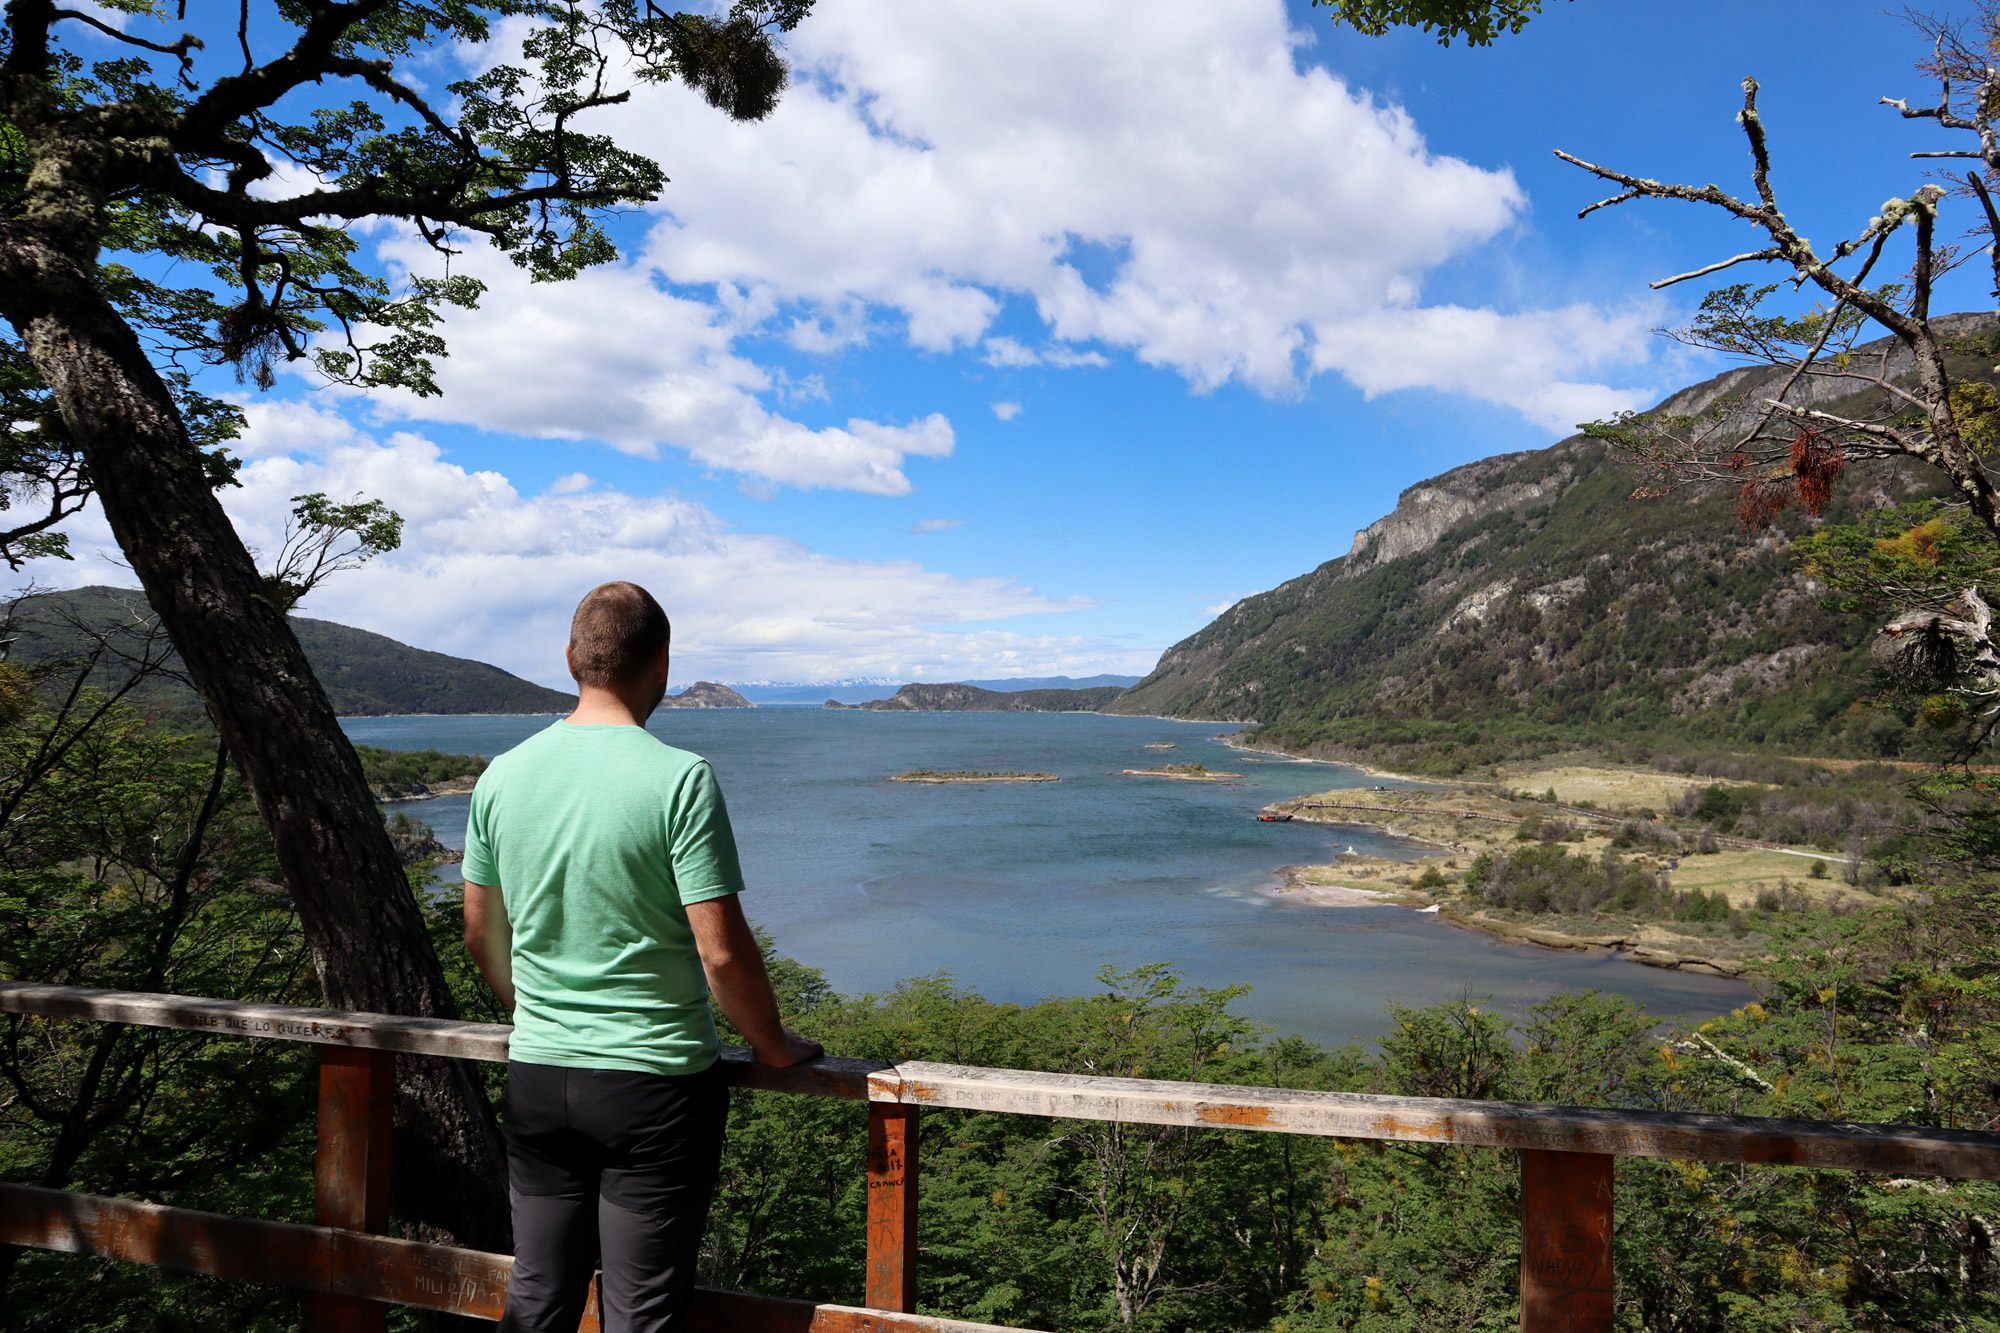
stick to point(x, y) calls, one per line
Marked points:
point(962, 698)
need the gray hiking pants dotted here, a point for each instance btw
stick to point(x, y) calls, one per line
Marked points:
point(614, 1169)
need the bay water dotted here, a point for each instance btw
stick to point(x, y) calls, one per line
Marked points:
point(1024, 891)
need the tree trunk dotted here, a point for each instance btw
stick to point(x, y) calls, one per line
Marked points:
point(360, 919)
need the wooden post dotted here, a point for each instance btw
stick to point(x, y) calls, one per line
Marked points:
point(892, 1207)
point(351, 1170)
point(1566, 1266)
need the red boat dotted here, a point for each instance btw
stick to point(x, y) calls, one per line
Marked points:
point(1274, 819)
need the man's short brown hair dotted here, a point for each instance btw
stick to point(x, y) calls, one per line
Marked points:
point(616, 633)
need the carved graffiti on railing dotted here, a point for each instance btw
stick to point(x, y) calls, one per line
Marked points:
point(1562, 1258)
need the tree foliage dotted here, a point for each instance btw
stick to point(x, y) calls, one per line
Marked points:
point(198, 172)
point(1925, 566)
point(205, 170)
point(324, 537)
point(1478, 22)
point(131, 859)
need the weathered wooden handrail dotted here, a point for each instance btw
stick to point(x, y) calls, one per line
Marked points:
point(1904, 1149)
point(1567, 1151)
point(830, 1076)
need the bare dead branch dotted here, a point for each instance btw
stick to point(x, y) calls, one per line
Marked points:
point(1941, 113)
point(1637, 187)
point(1772, 253)
point(1893, 436)
point(1760, 148)
point(1606, 203)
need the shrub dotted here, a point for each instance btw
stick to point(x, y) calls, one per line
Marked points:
point(395, 773)
point(1550, 878)
point(1655, 837)
point(1695, 905)
point(1720, 806)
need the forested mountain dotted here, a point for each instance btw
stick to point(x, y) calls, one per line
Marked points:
point(365, 675)
point(1529, 596)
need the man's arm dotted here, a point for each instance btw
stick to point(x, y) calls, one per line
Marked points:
point(491, 939)
point(739, 983)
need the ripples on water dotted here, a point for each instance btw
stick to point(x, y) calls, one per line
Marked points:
point(1025, 890)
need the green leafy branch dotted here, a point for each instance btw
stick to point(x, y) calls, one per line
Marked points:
point(324, 537)
point(1477, 21)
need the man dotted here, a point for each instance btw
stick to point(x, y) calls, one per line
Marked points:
point(600, 889)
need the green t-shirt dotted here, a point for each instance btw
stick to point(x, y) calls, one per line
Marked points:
point(599, 837)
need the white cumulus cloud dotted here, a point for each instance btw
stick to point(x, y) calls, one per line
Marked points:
point(489, 573)
point(610, 356)
point(1520, 361)
point(1182, 189)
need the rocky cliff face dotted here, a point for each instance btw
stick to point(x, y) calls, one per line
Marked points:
point(1428, 510)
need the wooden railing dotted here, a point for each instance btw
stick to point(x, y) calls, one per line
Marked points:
point(350, 1268)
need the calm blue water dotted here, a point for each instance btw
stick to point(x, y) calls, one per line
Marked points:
point(1025, 890)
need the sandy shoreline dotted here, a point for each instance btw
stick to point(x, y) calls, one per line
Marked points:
point(1293, 887)
point(1234, 743)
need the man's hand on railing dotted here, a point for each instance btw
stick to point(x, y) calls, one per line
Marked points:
point(741, 986)
point(791, 1049)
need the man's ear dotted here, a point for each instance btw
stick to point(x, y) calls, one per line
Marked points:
point(569, 660)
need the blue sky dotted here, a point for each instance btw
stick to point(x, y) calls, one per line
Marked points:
point(1023, 339)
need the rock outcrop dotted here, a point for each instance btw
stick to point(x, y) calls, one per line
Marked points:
point(706, 694)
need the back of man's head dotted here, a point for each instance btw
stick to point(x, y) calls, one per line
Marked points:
point(616, 633)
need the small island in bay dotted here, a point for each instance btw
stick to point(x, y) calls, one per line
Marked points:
point(1160, 745)
point(1181, 773)
point(706, 694)
point(969, 775)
